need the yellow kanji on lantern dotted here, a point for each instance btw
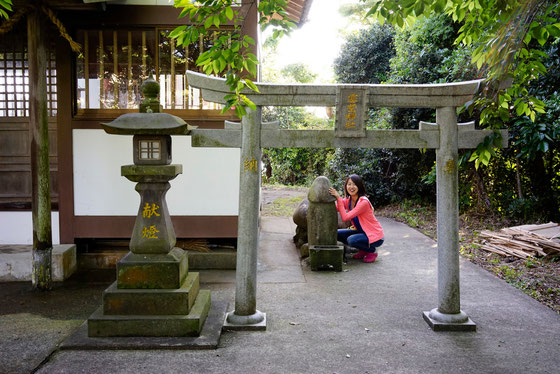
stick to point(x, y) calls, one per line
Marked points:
point(150, 232)
point(150, 210)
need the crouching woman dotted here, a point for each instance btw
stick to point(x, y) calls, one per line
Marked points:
point(366, 233)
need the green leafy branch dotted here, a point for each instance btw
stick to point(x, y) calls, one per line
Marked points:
point(230, 53)
point(7, 5)
point(507, 36)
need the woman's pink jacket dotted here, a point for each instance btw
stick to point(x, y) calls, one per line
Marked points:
point(364, 211)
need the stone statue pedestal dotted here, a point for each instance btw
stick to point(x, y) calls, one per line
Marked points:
point(326, 257)
point(322, 226)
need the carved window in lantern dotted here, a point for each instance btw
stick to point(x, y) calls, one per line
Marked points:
point(150, 150)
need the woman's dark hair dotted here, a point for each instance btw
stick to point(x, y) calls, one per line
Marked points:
point(358, 182)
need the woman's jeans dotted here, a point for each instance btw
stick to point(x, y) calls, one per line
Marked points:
point(357, 240)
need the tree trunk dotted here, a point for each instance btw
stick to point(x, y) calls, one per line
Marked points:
point(483, 204)
point(518, 180)
point(38, 117)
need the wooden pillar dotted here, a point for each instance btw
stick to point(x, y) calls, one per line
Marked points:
point(64, 88)
point(38, 117)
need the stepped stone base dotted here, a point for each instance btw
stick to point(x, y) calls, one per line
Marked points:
point(100, 325)
point(209, 337)
point(326, 257)
point(153, 270)
point(178, 301)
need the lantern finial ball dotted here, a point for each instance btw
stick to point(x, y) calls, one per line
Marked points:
point(150, 91)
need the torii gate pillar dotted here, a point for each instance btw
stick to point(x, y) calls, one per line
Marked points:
point(448, 315)
point(246, 316)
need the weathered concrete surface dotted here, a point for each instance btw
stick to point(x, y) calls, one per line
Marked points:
point(315, 319)
point(15, 262)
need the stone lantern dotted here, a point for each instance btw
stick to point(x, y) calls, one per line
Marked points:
point(154, 294)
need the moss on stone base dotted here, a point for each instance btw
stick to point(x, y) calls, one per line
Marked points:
point(326, 257)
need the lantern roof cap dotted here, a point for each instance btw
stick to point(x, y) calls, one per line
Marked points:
point(147, 124)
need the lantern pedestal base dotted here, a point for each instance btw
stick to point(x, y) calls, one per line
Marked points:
point(154, 296)
point(103, 325)
point(153, 270)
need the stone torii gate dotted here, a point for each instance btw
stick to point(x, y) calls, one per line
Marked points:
point(352, 102)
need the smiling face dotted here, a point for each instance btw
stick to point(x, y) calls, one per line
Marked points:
point(354, 187)
point(351, 188)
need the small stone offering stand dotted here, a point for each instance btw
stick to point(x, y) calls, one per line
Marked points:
point(322, 225)
point(155, 294)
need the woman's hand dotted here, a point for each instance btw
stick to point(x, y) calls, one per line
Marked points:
point(333, 192)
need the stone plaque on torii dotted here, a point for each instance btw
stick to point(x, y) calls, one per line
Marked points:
point(352, 102)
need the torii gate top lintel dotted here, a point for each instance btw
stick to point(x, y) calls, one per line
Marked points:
point(379, 95)
point(448, 95)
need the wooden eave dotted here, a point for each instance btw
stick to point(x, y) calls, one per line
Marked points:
point(298, 10)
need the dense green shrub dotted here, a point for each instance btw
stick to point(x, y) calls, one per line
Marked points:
point(421, 55)
point(366, 55)
point(294, 166)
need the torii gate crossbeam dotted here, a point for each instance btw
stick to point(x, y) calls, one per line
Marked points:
point(352, 101)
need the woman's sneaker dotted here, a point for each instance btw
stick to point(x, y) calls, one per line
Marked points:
point(370, 257)
point(361, 254)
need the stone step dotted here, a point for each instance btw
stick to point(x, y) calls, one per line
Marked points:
point(153, 270)
point(100, 325)
point(106, 259)
point(214, 259)
point(120, 301)
point(15, 262)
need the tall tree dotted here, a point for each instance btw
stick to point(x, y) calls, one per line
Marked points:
point(506, 36)
point(366, 56)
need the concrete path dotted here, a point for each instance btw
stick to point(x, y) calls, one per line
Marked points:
point(366, 319)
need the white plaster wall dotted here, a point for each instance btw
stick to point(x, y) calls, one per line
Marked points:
point(209, 184)
point(17, 228)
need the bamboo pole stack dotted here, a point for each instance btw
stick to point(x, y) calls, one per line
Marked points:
point(521, 242)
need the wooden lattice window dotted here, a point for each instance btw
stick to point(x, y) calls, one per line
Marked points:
point(14, 77)
point(114, 63)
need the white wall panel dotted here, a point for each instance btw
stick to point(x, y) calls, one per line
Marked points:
point(17, 228)
point(209, 184)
